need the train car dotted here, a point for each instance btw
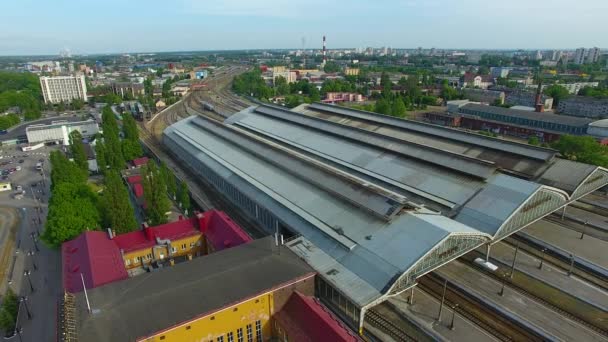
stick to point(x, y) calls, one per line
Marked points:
point(208, 106)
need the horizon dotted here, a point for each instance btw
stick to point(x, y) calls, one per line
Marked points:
point(190, 25)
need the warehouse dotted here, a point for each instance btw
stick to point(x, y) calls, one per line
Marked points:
point(59, 131)
point(371, 213)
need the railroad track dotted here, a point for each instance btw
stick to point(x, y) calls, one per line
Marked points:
point(558, 261)
point(376, 320)
point(477, 312)
point(516, 288)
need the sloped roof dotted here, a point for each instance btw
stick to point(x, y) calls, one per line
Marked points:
point(146, 238)
point(307, 320)
point(221, 232)
point(93, 255)
point(140, 161)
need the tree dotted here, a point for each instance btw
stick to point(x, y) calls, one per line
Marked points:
point(382, 107)
point(184, 198)
point(131, 149)
point(72, 210)
point(118, 211)
point(398, 108)
point(584, 149)
point(65, 171)
point(331, 67)
point(155, 195)
point(9, 311)
point(111, 99)
point(169, 180)
point(114, 156)
point(100, 152)
point(77, 149)
point(557, 92)
point(61, 106)
point(533, 140)
point(77, 104)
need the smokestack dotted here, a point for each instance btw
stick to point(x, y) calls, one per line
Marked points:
point(324, 50)
point(539, 107)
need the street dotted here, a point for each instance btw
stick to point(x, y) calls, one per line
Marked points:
point(36, 273)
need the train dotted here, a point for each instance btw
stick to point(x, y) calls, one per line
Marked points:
point(208, 106)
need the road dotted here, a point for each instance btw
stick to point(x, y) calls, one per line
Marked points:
point(46, 278)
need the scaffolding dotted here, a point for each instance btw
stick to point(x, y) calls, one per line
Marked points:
point(67, 318)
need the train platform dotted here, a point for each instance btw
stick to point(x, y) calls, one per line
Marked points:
point(424, 312)
point(588, 248)
point(551, 275)
point(581, 216)
point(518, 306)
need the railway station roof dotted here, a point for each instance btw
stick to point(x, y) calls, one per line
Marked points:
point(358, 223)
point(534, 163)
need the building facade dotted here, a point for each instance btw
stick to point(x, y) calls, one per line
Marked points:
point(59, 132)
point(527, 99)
point(583, 106)
point(593, 55)
point(63, 88)
point(579, 56)
point(123, 89)
point(485, 96)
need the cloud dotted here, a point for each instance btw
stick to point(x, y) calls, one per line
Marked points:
point(253, 8)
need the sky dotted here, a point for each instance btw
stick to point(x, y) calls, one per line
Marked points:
point(30, 27)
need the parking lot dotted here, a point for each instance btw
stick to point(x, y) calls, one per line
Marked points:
point(34, 271)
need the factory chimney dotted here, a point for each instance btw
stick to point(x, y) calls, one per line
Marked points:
point(324, 51)
point(539, 107)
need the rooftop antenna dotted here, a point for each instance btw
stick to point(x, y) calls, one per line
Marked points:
point(86, 296)
point(303, 40)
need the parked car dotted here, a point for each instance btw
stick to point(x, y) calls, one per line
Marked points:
point(21, 161)
point(18, 168)
point(19, 188)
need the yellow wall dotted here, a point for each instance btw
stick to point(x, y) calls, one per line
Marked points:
point(155, 252)
point(210, 327)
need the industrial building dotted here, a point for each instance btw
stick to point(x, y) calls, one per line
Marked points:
point(58, 89)
point(254, 292)
point(583, 106)
point(123, 89)
point(485, 96)
point(373, 202)
point(59, 131)
point(527, 99)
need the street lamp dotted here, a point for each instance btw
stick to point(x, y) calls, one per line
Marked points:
point(31, 253)
point(23, 299)
point(542, 258)
point(584, 229)
point(18, 331)
point(502, 288)
point(453, 315)
point(27, 274)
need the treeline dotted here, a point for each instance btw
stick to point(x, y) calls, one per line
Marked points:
point(584, 149)
point(20, 90)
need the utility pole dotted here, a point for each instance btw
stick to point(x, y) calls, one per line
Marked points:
point(542, 258)
point(571, 265)
point(514, 258)
point(31, 253)
point(584, 229)
point(445, 286)
point(453, 316)
point(35, 241)
point(502, 288)
point(27, 274)
point(23, 300)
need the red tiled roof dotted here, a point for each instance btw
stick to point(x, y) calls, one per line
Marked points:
point(140, 161)
point(138, 190)
point(134, 179)
point(221, 232)
point(146, 238)
point(305, 319)
point(95, 256)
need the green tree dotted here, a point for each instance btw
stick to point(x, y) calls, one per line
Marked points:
point(65, 171)
point(77, 149)
point(117, 208)
point(72, 210)
point(184, 198)
point(61, 106)
point(9, 120)
point(131, 149)
point(315, 95)
point(557, 92)
point(9, 311)
point(281, 86)
point(100, 155)
point(398, 108)
point(77, 104)
point(111, 99)
point(331, 67)
point(114, 156)
point(169, 180)
point(382, 107)
point(157, 202)
point(533, 140)
point(584, 149)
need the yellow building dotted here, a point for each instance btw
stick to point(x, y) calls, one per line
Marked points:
point(351, 71)
point(227, 296)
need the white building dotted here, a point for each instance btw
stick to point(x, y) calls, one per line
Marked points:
point(63, 88)
point(579, 56)
point(59, 132)
point(593, 55)
point(289, 76)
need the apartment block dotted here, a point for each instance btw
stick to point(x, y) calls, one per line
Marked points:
point(63, 88)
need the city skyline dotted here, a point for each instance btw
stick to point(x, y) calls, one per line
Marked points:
point(153, 26)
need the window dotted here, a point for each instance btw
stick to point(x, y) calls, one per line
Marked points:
point(249, 333)
point(220, 339)
point(173, 249)
point(258, 331)
point(239, 335)
point(183, 246)
point(136, 260)
point(192, 244)
point(188, 327)
point(150, 256)
point(128, 262)
point(162, 337)
point(230, 337)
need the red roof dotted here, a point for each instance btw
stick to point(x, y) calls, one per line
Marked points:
point(138, 190)
point(140, 161)
point(305, 319)
point(134, 179)
point(146, 237)
point(221, 232)
point(93, 255)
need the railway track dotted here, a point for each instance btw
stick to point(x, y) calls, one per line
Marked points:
point(477, 312)
point(517, 288)
point(377, 321)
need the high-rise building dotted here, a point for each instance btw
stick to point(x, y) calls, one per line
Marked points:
point(593, 55)
point(579, 56)
point(63, 88)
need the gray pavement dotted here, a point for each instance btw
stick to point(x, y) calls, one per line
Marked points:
point(46, 279)
point(424, 311)
point(545, 319)
point(554, 276)
point(588, 248)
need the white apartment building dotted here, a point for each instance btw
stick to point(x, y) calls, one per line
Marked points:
point(593, 55)
point(579, 56)
point(63, 88)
